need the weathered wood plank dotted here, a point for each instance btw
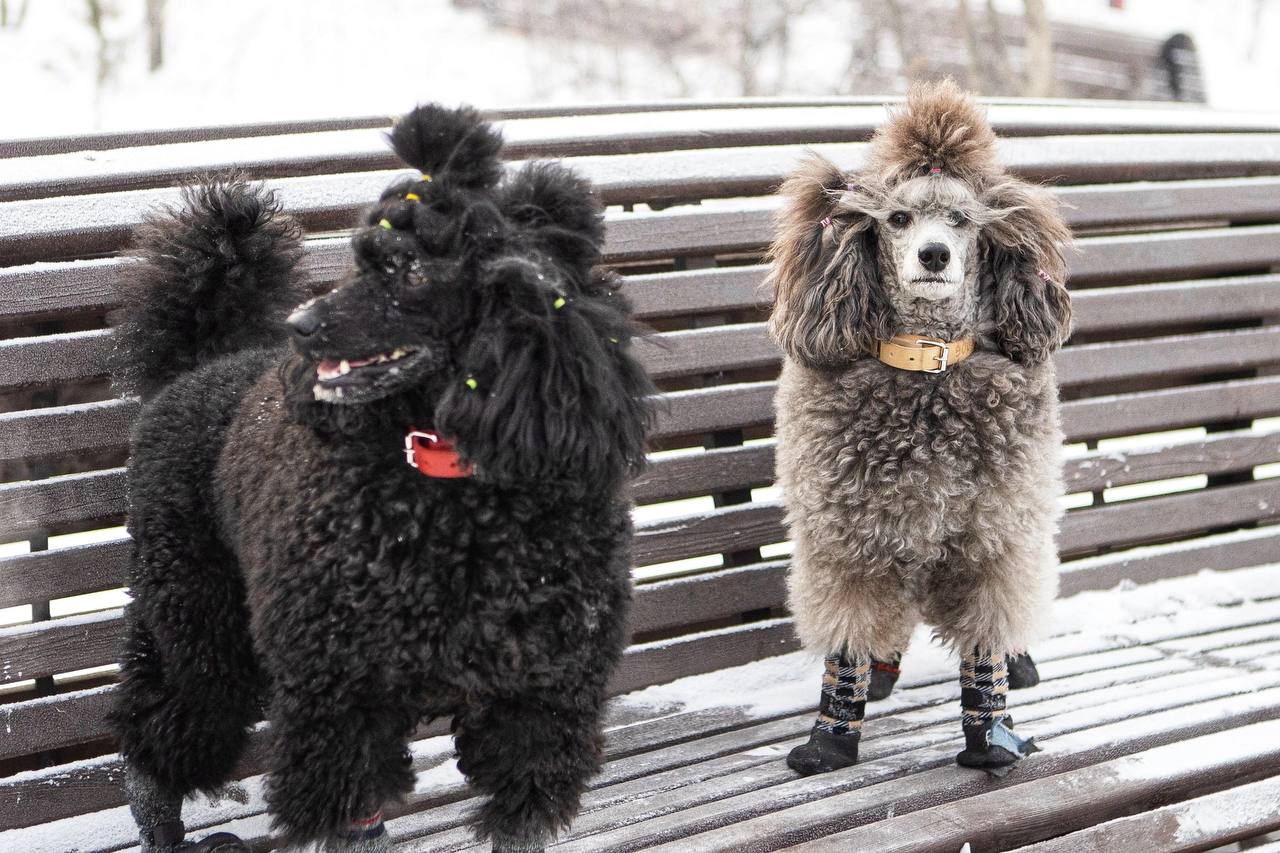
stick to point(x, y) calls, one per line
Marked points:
point(1204, 823)
point(800, 809)
point(82, 356)
point(1021, 813)
point(704, 472)
point(1220, 552)
point(667, 780)
point(721, 530)
point(1217, 453)
point(55, 228)
point(46, 575)
point(1171, 408)
point(27, 507)
point(63, 430)
point(361, 145)
point(738, 226)
point(60, 645)
point(671, 604)
point(1168, 516)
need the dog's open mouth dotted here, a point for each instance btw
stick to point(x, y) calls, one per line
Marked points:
point(353, 380)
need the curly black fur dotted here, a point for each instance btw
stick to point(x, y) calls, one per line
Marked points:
point(439, 141)
point(281, 537)
point(215, 279)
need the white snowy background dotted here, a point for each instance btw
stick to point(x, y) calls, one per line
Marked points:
point(247, 60)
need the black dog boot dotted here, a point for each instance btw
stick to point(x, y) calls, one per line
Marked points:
point(159, 819)
point(833, 743)
point(1022, 671)
point(989, 741)
point(884, 675)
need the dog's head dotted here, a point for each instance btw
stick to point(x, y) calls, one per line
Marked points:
point(932, 237)
point(475, 308)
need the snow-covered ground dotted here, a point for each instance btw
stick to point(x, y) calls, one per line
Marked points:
point(242, 60)
point(1126, 616)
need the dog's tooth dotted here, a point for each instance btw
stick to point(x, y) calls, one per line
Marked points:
point(344, 367)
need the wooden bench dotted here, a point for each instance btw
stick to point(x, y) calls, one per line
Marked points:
point(1178, 304)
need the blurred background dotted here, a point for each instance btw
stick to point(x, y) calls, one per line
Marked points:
point(75, 66)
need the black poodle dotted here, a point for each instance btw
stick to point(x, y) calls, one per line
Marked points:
point(417, 509)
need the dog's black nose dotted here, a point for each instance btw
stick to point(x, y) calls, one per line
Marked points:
point(304, 322)
point(934, 256)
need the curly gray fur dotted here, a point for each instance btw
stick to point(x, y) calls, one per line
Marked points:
point(909, 495)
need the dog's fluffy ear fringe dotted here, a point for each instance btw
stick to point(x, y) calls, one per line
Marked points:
point(558, 394)
point(559, 209)
point(457, 144)
point(823, 314)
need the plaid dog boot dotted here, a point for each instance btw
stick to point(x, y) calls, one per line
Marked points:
point(884, 675)
point(989, 741)
point(833, 743)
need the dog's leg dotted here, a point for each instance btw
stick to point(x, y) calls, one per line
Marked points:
point(884, 675)
point(189, 686)
point(833, 743)
point(339, 754)
point(990, 743)
point(532, 757)
point(1022, 671)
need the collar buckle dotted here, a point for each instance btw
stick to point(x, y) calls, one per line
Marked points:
point(944, 353)
point(410, 441)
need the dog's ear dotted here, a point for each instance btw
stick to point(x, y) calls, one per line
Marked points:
point(1024, 245)
point(559, 209)
point(827, 302)
point(548, 387)
point(455, 145)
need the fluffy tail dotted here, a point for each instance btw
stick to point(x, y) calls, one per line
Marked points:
point(217, 277)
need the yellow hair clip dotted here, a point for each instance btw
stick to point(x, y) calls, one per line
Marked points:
point(385, 224)
point(425, 178)
point(412, 197)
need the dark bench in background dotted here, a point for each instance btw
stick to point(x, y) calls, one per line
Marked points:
point(1178, 306)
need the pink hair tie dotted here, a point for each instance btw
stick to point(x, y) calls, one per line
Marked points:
point(825, 221)
point(1044, 276)
point(935, 170)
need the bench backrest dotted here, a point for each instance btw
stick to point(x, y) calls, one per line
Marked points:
point(1177, 298)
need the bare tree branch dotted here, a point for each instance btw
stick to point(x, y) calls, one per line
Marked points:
point(1039, 80)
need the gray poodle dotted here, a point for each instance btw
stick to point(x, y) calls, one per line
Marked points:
point(919, 303)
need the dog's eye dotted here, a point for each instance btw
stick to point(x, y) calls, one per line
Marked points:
point(955, 217)
point(899, 219)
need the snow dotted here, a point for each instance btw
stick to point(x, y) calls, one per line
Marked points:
point(787, 684)
point(1125, 615)
point(243, 61)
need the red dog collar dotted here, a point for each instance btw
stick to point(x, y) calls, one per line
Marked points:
point(433, 455)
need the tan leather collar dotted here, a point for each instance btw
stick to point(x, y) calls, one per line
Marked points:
point(929, 355)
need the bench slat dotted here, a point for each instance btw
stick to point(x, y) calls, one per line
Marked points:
point(791, 810)
point(50, 229)
point(28, 507)
point(47, 575)
point(1043, 807)
point(105, 426)
point(1238, 813)
point(83, 356)
point(363, 146)
point(740, 226)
